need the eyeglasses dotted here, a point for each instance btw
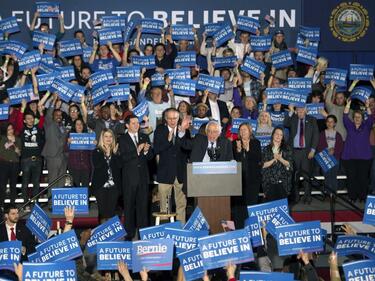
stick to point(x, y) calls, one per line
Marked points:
point(73, 111)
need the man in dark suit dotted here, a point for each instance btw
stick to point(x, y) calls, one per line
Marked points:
point(218, 109)
point(11, 230)
point(303, 138)
point(172, 163)
point(135, 149)
point(209, 148)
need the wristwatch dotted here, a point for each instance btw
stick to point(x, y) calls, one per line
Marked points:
point(68, 222)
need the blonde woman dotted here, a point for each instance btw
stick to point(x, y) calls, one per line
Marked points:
point(106, 179)
point(318, 70)
point(264, 127)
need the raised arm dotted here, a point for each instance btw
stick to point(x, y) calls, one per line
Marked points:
point(115, 54)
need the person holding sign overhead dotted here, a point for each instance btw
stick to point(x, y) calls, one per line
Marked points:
point(247, 151)
point(304, 138)
point(135, 151)
point(357, 154)
point(106, 179)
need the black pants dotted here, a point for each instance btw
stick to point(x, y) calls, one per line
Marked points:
point(80, 177)
point(275, 192)
point(8, 173)
point(31, 171)
point(135, 208)
point(302, 165)
point(357, 173)
point(106, 199)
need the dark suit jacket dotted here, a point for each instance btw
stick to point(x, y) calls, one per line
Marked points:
point(134, 166)
point(23, 234)
point(172, 157)
point(311, 130)
point(199, 144)
point(100, 175)
point(224, 113)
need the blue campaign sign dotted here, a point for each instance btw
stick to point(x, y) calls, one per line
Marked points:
point(277, 118)
point(102, 78)
point(336, 74)
point(66, 72)
point(157, 231)
point(13, 47)
point(69, 48)
point(128, 74)
point(281, 59)
point(247, 24)
point(34, 257)
point(185, 59)
point(293, 238)
point(302, 41)
point(184, 240)
point(48, 9)
point(214, 168)
point(369, 214)
point(45, 80)
point(182, 32)
point(280, 218)
point(108, 254)
point(307, 55)
point(152, 254)
point(63, 247)
point(300, 83)
point(355, 244)
point(181, 73)
point(76, 197)
point(10, 252)
point(64, 89)
point(45, 68)
point(361, 93)
point(211, 83)
point(286, 96)
point(359, 270)
point(47, 59)
point(44, 38)
point(39, 223)
point(236, 123)
point(310, 33)
point(260, 43)
point(4, 111)
point(253, 227)
point(82, 141)
point(266, 211)
point(314, 110)
point(119, 92)
point(87, 51)
point(157, 80)
point(264, 140)
point(128, 31)
point(151, 26)
point(113, 35)
point(111, 230)
point(197, 221)
point(211, 28)
point(197, 124)
point(184, 87)
point(361, 72)
point(17, 94)
point(141, 110)
point(113, 21)
point(265, 276)
point(220, 249)
point(147, 62)
point(192, 264)
point(30, 60)
point(79, 91)
point(253, 67)
point(9, 25)
point(50, 271)
point(224, 62)
point(223, 34)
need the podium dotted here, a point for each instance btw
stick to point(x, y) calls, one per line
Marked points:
point(212, 184)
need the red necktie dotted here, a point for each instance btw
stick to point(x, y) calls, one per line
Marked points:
point(301, 133)
point(12, 234)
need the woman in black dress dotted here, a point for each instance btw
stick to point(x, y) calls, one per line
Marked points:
point(277, 167)
point(106, 179)
point(247, 150)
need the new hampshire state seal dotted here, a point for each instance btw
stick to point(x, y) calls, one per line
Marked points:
point(349, 21)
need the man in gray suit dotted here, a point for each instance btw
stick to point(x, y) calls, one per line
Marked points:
point(53, 151)
point(303, 138)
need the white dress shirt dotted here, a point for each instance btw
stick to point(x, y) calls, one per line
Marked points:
point(9, 231)
point(215, 111)
point(206, 158)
